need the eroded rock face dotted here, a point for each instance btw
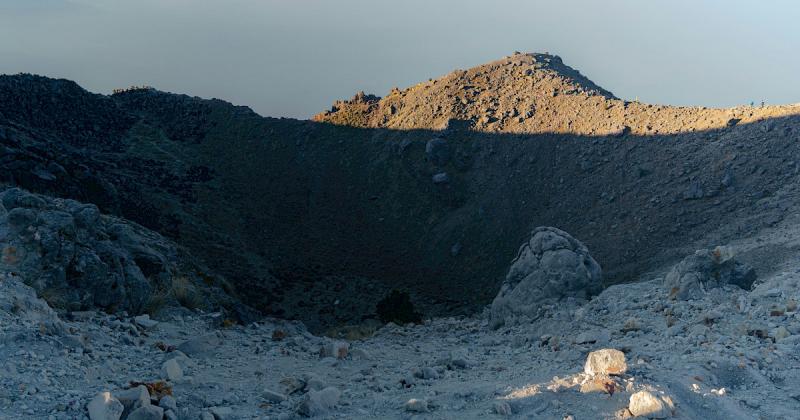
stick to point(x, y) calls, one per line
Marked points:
point(76, 258)
point(552, 265)
point(707, 269)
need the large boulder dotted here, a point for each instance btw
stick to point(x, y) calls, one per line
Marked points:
point(707, 269)
point(76, 259)
point(550, 266)
point(19, 300)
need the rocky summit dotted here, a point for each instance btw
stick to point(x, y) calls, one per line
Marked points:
point(510, 240)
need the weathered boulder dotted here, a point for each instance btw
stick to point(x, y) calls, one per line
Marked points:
point(202, 346)
point(104, 407)
point(645, 404)
point(319, 402)
point(707, 269)
point(132, 399)
point(77, 259)
point(171, 370)
point(605, 362)
point(20, 300)
point(550, 266)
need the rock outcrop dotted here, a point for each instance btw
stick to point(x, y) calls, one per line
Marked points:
point(20, 300)
point(78, 259)
point(707, 269)
point(550, 266)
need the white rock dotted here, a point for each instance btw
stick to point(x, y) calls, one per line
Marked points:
point(105, 407)
point(645, 404)
point(171, 370)
point(605, 362)
point(417, 405)
point(319, 402)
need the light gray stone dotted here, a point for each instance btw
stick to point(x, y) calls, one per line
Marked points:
point(645, 404)
point(605, 362)
point(168, 402)
point(550, 266)
point(172, 370)
point(273, 397)
point(319, 402)
point(148, 412)
point(105, 407)
point(133, 398)
point(222, 413)
point(145, 322)
point(416, 405)
point(202, 346)
point(707, 269)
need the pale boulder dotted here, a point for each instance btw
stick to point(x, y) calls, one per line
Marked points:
point(605, 362)
point(645, 404)
point(105, 407)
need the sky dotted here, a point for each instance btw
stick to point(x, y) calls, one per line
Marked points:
point(293, 58)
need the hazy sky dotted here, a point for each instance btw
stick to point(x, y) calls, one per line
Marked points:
point(295, 57)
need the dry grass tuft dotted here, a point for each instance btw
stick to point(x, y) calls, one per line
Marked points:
point(157, 390)
point(186, 293)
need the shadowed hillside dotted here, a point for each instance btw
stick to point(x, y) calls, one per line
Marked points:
point(319, 220)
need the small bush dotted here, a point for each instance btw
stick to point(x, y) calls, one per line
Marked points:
point(397, 307)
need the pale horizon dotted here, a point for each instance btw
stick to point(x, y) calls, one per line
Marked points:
point(294, 59)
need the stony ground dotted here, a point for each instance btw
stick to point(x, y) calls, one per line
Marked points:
point(345, 213)
point(731, 354)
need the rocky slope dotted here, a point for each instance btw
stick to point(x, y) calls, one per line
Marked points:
point(531, 93)
point(726, 353)
point(149, 202)
point(298, 215)
point(79, 259)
